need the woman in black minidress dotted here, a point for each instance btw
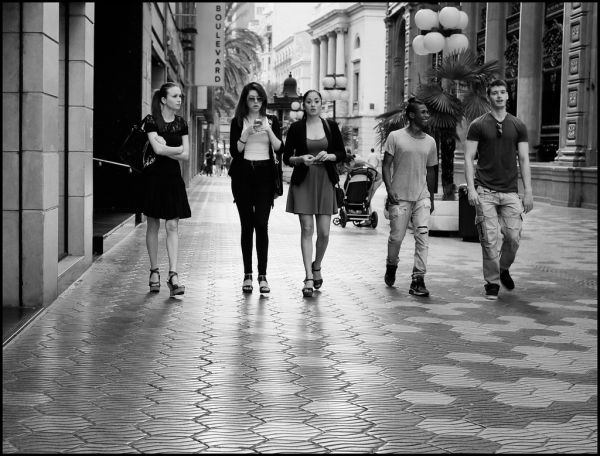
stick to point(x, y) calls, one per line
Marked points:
point(163, 189)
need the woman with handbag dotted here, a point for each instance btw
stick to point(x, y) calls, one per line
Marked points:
point(163, 190)
point(313, 147)
point(255, 142)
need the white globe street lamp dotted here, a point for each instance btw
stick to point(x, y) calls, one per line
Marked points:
point(335, 89)
point(440, 31)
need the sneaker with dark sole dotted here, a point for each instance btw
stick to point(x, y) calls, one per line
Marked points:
point(491, 290)
point(390, 274)
point(507, 280)
point(417, 287)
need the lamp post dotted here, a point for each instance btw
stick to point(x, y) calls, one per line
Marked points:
point(440, 31)
point(335, 89)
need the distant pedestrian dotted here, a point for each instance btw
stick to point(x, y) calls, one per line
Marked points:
point(413, 154)
point(374, 160)
point(227, 163)
point(219, 162)
point(255, 140)
point(164, 195)
point(498, 138)
point(209, 163)
point(313, 146)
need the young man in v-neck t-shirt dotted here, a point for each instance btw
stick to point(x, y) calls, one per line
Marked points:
point(499, 139)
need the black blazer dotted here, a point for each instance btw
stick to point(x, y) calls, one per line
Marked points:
point(237, 157)
point(295, 145)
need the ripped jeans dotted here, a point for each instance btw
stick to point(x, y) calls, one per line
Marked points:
point(400, 215)
point(498, 212)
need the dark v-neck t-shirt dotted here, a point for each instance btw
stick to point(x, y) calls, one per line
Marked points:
point(497, 156)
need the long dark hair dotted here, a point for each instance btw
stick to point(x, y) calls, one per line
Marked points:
point(156, 103)
point(306, 95)
point(241, 110)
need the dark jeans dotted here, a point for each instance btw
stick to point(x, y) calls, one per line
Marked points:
point(252, 190)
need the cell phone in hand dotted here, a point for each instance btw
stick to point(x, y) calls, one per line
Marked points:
point(257, 124)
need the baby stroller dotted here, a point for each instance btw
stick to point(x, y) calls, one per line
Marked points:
point(357, 206)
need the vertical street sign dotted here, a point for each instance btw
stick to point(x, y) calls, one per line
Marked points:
point(210, 44)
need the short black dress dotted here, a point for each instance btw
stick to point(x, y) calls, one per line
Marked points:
point(163, 194)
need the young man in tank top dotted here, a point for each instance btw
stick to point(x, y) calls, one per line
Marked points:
point(498, 138)
point(413, 154)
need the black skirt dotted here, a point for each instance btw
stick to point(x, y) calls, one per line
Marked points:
point(163, 196)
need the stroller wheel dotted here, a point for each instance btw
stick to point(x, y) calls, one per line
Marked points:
point(374, 219)
point(343, 217)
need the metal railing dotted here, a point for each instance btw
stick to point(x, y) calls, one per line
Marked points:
point(100, 161)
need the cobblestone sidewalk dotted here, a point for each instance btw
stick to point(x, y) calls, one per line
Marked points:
point(360, 367)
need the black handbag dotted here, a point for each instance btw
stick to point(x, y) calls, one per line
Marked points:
point(136, 150)
point(278, 181)
point(339, 195)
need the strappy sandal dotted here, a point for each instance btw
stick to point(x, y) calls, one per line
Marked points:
point(247, 285)
point(317, 282)
point(263, 284)
point(175, 289)
point(307, 291)
point(154, 286)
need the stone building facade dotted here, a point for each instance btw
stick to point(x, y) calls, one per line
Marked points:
point(548, 56)
point(76, 76)
point(349, 40)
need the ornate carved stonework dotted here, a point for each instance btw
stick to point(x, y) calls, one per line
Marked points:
point(574, 65)
point(575, 32)
point(573, 98)
point(572, 130)
point(512, 57)
point(552, 44)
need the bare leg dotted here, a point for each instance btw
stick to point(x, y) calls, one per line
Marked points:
point(152, 226)
point(172, 245)
point(323, 226)
point(306, 234)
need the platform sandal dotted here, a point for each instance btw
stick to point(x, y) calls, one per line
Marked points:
point(263, 284)
point(247, 284)
point(175, 289)
point(307, 291)
point(154, 286)
point(317, 282)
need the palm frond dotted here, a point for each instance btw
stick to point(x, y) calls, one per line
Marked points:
point(389, 121)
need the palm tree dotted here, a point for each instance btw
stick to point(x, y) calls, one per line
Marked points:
point(455, 90)
point(241, 53)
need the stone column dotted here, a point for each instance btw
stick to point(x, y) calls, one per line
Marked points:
point(471, 8)
point(331, 53)
point(323, 61)
point(578, 136)
point(315, 83)
point(340, 51)
point(529, 95)
point(81, 121)
point(39, 169)
point(495, 33)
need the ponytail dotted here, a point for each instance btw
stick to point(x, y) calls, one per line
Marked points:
point(156, 104)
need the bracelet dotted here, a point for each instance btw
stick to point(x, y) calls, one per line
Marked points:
point(243, 142)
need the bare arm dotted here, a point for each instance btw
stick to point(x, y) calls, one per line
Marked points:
point(470, 150)
point(386, 172)
point(523, 150)
point(157, 143)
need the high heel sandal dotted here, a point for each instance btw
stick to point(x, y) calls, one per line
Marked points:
point(154, 286)
point(263, 284)
point(175, 289)
point(317, 282)
point(307, 291)
point(247, 284)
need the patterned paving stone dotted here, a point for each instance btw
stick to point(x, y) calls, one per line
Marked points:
point(418, 397)
point(360, 367)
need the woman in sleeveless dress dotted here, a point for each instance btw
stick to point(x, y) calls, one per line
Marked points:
point(313, 146)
